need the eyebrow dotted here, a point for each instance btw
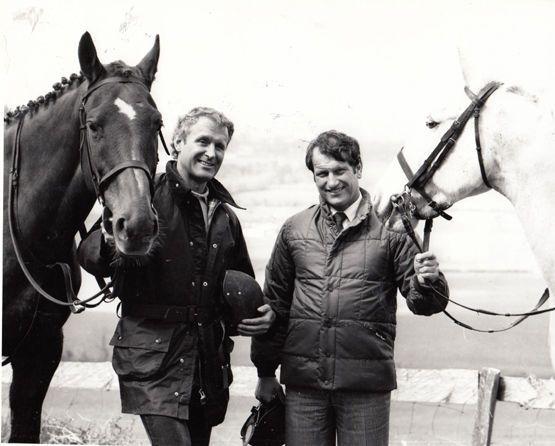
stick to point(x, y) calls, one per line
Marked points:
point(211, 138)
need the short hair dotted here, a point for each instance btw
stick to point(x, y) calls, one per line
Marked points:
point(336, 145)
point(185, 122)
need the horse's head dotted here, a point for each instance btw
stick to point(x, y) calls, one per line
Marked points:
point(457, 176)
point(120, 122)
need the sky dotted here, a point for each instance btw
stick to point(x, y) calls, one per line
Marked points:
point(281, 69)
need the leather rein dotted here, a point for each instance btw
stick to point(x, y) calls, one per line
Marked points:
point(405, 206)
point(99, 184)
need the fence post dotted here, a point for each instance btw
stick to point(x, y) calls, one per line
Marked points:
point(488, 385)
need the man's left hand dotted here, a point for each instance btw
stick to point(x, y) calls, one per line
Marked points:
point(257, 325)
point(426, 267)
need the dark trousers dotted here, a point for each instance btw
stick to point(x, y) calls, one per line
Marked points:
point(316, 417)
point(168, 431)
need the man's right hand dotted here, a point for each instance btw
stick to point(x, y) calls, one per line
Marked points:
point(267, 389)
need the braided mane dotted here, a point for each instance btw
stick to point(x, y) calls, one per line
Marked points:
point(58, 89)
point(117, 68)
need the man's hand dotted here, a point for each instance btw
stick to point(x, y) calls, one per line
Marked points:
point(267, 389)
point(426, 266)
point(257, 325)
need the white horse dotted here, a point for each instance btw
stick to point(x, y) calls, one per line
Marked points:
point(517, 133)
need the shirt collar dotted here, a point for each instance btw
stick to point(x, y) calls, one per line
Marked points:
point(351, 211)
point(201, 196)
point(215, 189)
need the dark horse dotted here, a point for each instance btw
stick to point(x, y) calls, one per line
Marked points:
point(94, 136)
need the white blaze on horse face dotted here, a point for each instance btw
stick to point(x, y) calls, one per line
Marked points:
point(125, 108)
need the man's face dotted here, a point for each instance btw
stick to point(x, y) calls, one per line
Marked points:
point(336, 181)
point(201, 151)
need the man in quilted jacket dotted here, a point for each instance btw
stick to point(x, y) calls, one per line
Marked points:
point(332, 281)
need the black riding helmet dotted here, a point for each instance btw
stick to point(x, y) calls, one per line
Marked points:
point(265, 426)
point(243, 296)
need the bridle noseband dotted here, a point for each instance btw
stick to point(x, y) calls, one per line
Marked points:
point(404, 204)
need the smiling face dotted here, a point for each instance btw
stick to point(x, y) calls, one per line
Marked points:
point(200, 152)
point(337, 181)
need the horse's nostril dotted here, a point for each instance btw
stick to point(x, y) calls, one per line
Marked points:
point(120, 225)
point(107, 220)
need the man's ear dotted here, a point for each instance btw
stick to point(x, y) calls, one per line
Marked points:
point(174, 145)
point(358, 171)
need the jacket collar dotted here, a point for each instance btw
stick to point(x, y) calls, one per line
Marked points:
point(362, 213)
point(216, 190)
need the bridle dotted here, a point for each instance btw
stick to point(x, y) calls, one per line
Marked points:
point(99, 183)
point(407, 209)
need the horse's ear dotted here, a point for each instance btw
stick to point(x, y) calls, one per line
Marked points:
point(149, 64)
point(90, 65)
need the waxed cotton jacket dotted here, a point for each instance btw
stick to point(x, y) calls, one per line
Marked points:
point(335, 300)
point(161, 360)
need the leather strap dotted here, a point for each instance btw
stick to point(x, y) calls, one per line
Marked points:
point(450, 137)
point(431, 203)
point(424, 174)
point(133, 164)
point(479, 148)
point(170, 313)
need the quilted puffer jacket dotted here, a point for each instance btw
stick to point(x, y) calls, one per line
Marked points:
point(335, 298)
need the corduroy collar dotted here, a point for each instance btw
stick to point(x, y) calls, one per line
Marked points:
point(215, 188)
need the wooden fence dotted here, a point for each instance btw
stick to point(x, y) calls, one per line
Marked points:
point(483, 389)
point(446, 386)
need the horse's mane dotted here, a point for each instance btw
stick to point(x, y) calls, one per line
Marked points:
point(116, 68)
point(121, 69)
point(58, 89)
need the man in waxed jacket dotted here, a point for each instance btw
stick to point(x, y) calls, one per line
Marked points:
point(332, 280)
point(172, 346)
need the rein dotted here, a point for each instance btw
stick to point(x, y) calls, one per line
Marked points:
point(406, 208)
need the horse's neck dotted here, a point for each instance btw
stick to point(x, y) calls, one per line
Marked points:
point(52, 199)
point(535, 208)
point(523, 144)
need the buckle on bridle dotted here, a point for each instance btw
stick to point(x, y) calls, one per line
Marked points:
point(403, 204)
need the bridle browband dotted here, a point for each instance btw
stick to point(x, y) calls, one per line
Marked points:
point(404, 204)
point(99, 183)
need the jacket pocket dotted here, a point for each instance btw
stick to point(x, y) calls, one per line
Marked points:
point(140, 347)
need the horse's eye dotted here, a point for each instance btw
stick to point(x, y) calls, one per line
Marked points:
point(93, 126)
point(430, 123)
point(158, 124)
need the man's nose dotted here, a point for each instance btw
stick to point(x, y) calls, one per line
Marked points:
point(210, 150)
point(332, 181)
